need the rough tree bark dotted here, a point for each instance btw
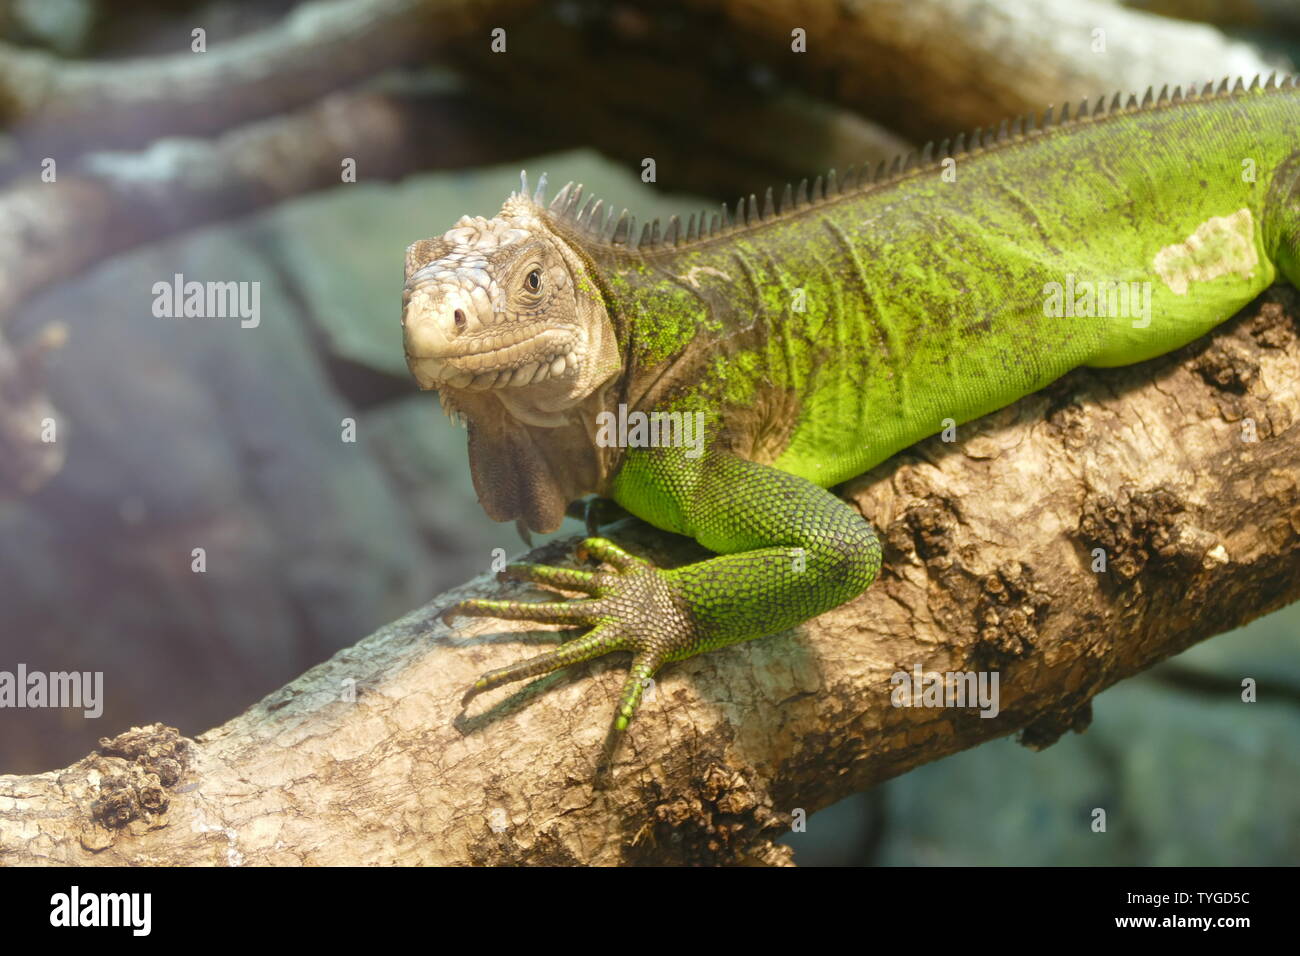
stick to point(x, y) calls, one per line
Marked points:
point(1184, 472)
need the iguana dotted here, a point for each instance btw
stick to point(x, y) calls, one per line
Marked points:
point(815, 337)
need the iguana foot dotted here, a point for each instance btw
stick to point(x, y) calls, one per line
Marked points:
point(636, 607)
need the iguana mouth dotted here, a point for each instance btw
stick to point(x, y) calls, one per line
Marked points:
point(455, 337)
point(498, 362)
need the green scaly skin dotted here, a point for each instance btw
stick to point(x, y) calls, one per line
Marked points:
point(819, 340)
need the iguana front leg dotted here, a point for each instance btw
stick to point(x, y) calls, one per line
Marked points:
point(788, 551)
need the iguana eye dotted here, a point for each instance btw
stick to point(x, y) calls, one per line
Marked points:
point(534, 280)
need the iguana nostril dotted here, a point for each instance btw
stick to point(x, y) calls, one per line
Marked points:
point(459, 318)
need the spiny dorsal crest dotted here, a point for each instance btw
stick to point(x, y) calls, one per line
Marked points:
point(595, 221)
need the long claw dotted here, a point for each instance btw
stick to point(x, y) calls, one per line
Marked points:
point(541, 612)
point(594, 643)
point(638, 676)
point(564, 578)
point(605, 550)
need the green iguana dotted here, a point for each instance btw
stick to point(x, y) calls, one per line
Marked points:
point(814, 338)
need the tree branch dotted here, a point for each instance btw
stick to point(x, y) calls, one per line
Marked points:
point(990, 550)
point(58, 105)
point(931, 68)
point(715, 125)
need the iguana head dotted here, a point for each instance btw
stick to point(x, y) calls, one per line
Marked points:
point(502, 317)
point(506, 306)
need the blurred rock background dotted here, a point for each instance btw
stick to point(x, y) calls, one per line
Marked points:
point(196, 433)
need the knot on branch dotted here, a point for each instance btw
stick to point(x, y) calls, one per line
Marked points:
point(1047, 728)
point(721, 819)
point(1011, 607)
point(136, 770)
point(1231, 365)
point(1227, 366)
point(927, 528)
point(158, 749)
point(1134, 529)
point(1273, 326)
